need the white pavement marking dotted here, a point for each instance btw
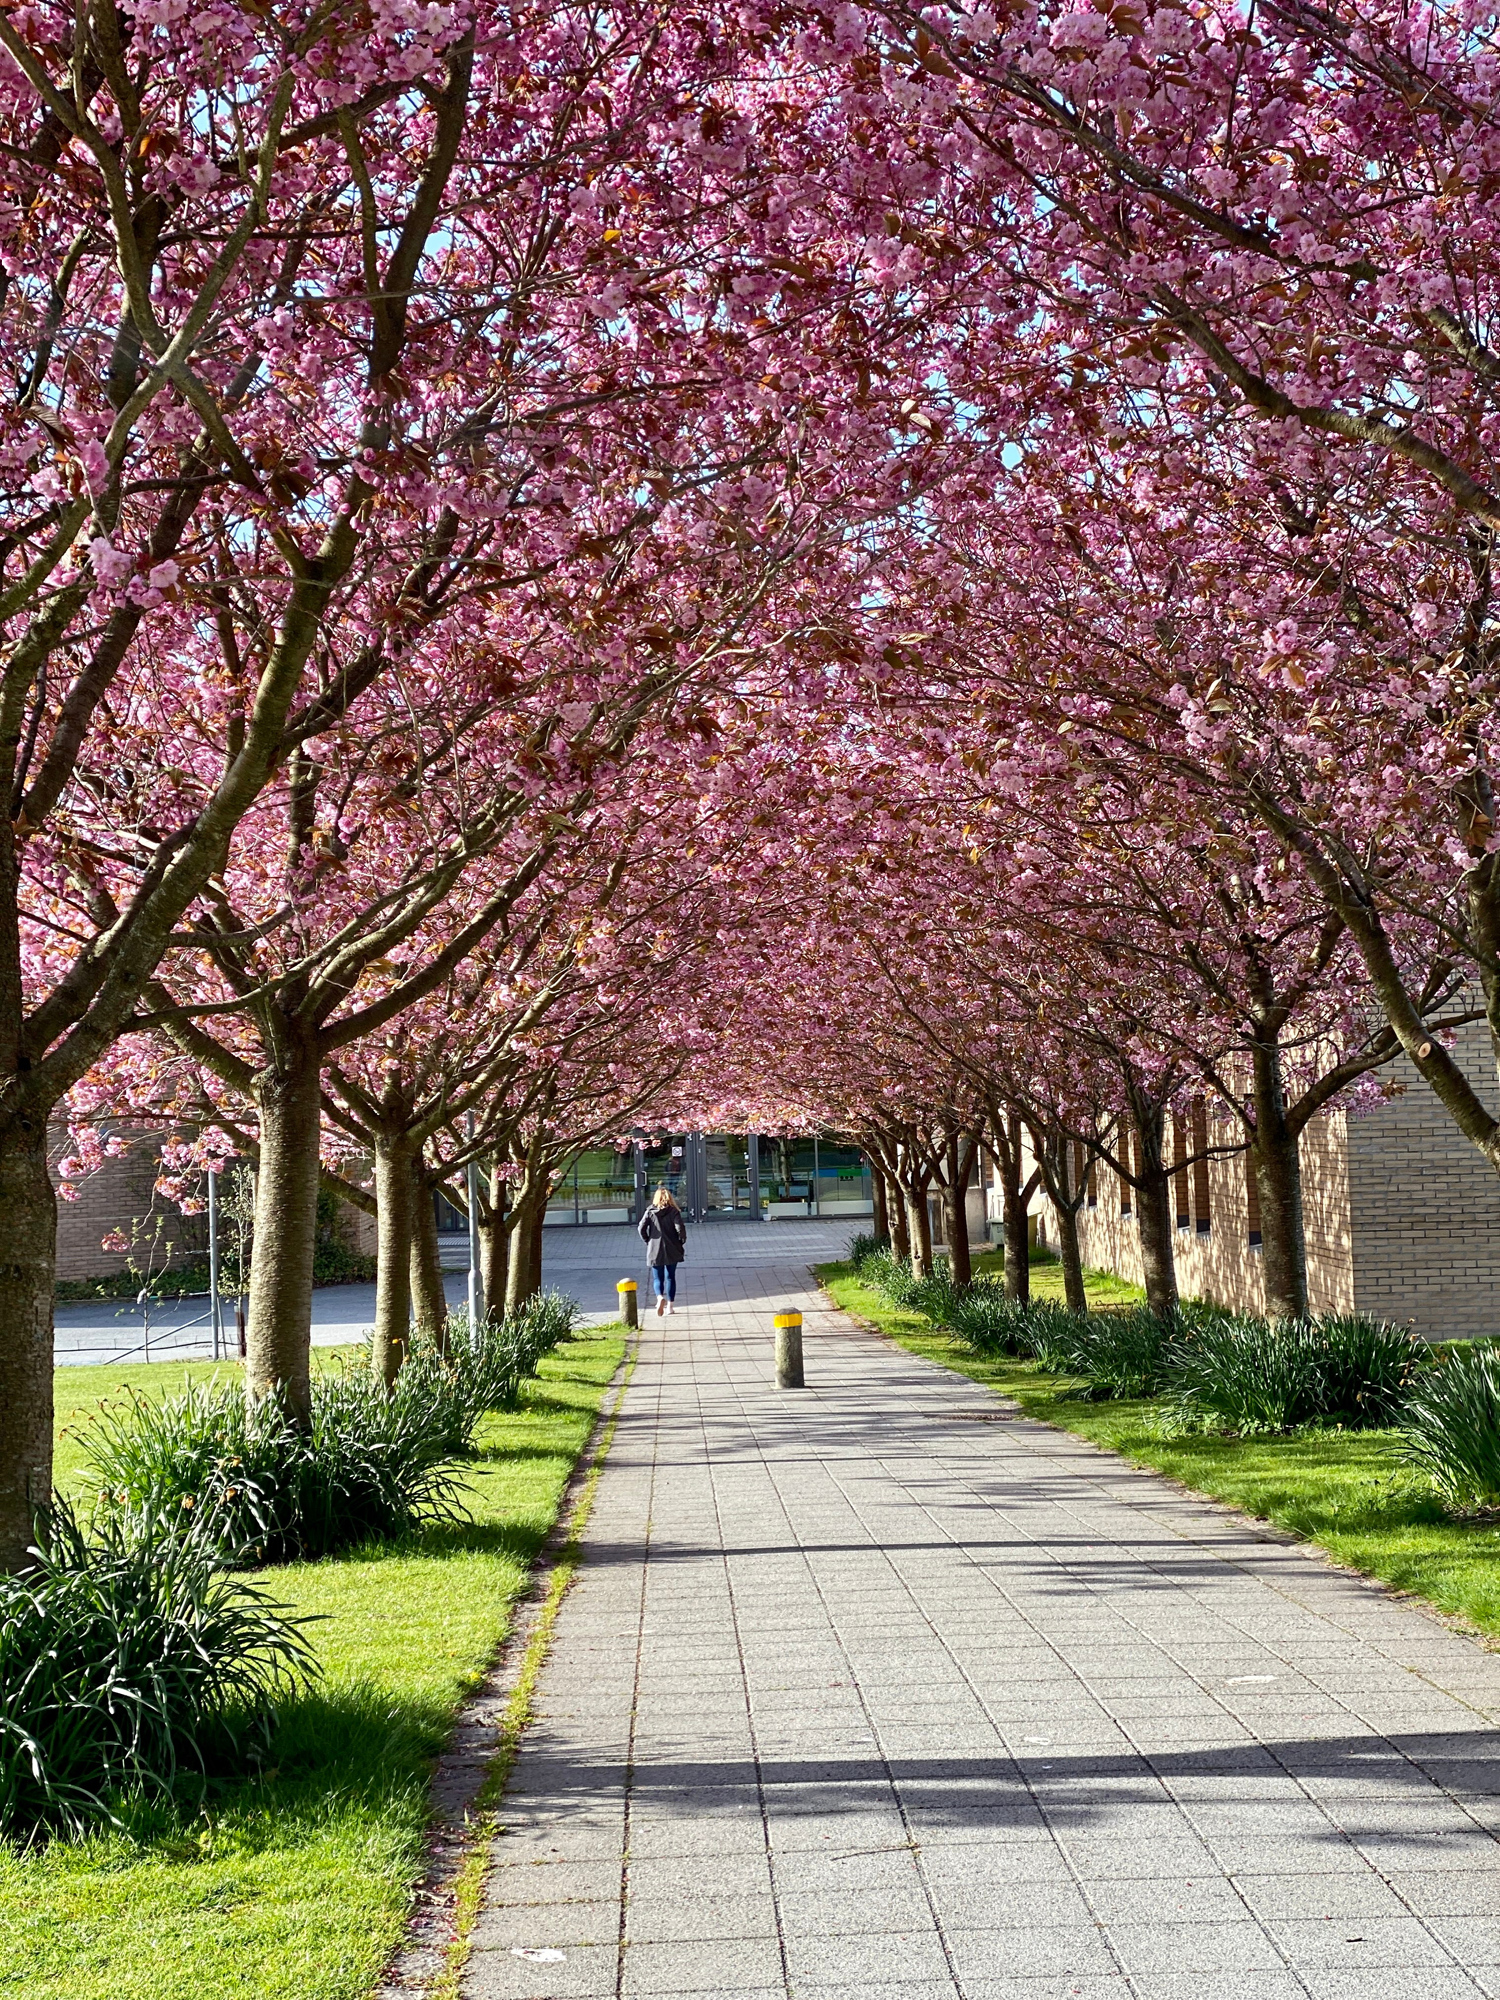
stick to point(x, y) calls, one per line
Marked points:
point(855, 1699)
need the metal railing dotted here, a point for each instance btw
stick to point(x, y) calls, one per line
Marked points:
point(163, 1343)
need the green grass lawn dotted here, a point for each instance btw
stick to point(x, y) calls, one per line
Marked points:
point(295, 1887)
point(1102, 1288)
point(1345, 1490)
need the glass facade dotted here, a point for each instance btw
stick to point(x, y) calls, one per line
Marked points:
point(816, 1176)
point(598, 1187)
point(710, 1175)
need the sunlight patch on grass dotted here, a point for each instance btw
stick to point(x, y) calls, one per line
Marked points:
point(298, 1883)
point(1102, 1288)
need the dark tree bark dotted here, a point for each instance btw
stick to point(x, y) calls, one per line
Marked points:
point(1066, 1187)
point(1276, 1163)
point(1154, 1205)
point(900, 1233)
point(885, 1150)
point(880, 1218)
point(919, 1231)
point(1075, 1294)
point(278, 1343)
point(1006, 1131)
point(957, 1170)
point(494, 1244)
point(524, 1276)
point(956, 1229)
point(429, 1300)
point(393, 1254)
point(1017, 1243)
point(28, 1263)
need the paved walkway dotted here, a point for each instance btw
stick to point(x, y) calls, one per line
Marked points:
point(872, 1691)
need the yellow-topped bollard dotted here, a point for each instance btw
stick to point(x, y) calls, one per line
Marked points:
point(628, 1310)
point(789, 1349)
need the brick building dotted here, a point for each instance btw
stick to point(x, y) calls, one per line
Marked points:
point(1401, 1215)
point(121, 1196)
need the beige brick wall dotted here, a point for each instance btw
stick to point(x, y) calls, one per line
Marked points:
point(1220, 1262)
point(1426, 1208)
point(1402, 1216)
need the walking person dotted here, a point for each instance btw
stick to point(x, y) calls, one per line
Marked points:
point(664, 1233)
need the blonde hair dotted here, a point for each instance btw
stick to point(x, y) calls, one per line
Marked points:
point(665, 1198)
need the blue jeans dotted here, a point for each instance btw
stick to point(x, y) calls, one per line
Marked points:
point(664, 1281)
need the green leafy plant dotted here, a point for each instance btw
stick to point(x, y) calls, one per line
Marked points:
point(892, 1275)
point(1251, 1376)
point(131, 1665)
point(863, 1247)
point(1450, 1427)
point(936, 1295)
point(481, 1366)
point(988, 1321)
point(372, 1466)
point(1112, 1354)
point(547, 1319)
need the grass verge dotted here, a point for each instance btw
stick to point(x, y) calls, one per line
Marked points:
point(1103, 1288)
point(299, 1882)
point(1347, 1491)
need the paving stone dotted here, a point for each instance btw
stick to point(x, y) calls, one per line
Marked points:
point(1219, 1947)
point(866, 1989)
point(852, 1912)
point(582, 1974)
point(1263, 1984)
point(727, 1967)
point(548, 1925)
point(1449, 1892)
point(670, 1917)
point(1391, 1984)
point(1052, 1950)
point(909, 1955)
point(1320, 1896)
point(855, 1664)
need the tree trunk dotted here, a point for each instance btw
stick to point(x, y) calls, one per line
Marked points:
point(1158, 1264)
point(1154, 1209)
point(523, 1277)
point(879, 1219)
point(1065, 1186)
point(919, 1230)
point(393, 1255)
point(1276, 1164)
point(429, 1300)
point(278, 1341)
point(900, 1234)
point(1070, 1257)
point(956, 1229)
point(28, 1271)
point(493, 1245)
point(1007, 1130)
point(1017, 1240)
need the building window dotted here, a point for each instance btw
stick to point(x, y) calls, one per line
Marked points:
point(1127, 1192)
point(1181, 1191)
point(1091, 1182)
point(1202, 1213)
point(1252, 1200)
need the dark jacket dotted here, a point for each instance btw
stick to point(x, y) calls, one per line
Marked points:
point(664, 1234)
